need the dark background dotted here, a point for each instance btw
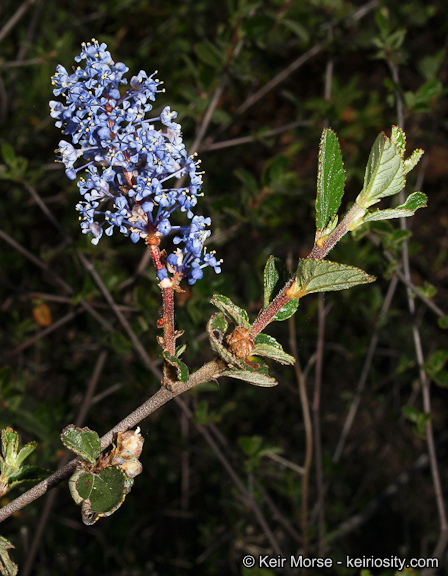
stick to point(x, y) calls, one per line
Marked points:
point(185, 514)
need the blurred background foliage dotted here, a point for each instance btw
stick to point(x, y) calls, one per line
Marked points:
point(254, 82)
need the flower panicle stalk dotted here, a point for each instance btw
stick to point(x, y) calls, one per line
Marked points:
point(130, 166)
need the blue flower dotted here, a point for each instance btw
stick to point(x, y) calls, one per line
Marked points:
point(131, 166)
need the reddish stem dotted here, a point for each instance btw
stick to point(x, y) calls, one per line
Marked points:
point(167, 320)
point(318, 253)
point(267, 315)
point(169, 337)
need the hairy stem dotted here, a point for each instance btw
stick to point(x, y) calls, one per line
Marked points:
point(318, 253)
point(208, 372)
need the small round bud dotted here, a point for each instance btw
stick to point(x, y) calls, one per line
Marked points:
point(240, 342)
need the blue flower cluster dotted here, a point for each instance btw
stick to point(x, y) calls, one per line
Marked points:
point(130, 166)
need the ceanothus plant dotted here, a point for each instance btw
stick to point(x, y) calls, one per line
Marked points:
point(133, 175)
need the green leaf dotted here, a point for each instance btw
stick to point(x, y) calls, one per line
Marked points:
point(393, 241)
point(8, 153)
point(26, 474)
point(287, 310)
point(330, 179)
point(7, 566)
point(325, 276)
point(428, 91)
point(274, 170)
point(268, 347)
point(252, 377)
point(104, 490)
point(182, 371)
point(208, 54)
point(102, 494)
point(25, 452)
point(398, 137)
point(296, 28)
point(414, 202)
point(238, 316)
point(258, 25)
point(382, 21)
point(413, 159)
point(441, 378)
point(13, 473)
point(384, 173)
point(266, 339)
point(219, 322)
point(429, 66)
point(436, 362)
point(180, 350)
point(251, 445)
point(420, 419)
point(82, 441)
point(428, 290)
point(203, 416)
point(73, 485)
point(276, 275)
point(10, 445)
point(248, 179)
point(443, 322)
point(434, 367)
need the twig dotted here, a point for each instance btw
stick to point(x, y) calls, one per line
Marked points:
point(36, 197)
point(208, 372)
point(43, 333)
point(276, 514)
point(18, 14)
point(308, 433)
point(36, 261)
point(212, 147)
point(208, 115)
point(356, 521)
point(67, 300)
point(357, 15)
point(123, 321)
point(21, 63)
point(237, 481)
point(91, 387)
point(408, 282)
point(286, 463)
point(316, 426)
point(424, 381)
point(365, 371)
point(51, 497)
point(185, 464)
point(279, 79)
